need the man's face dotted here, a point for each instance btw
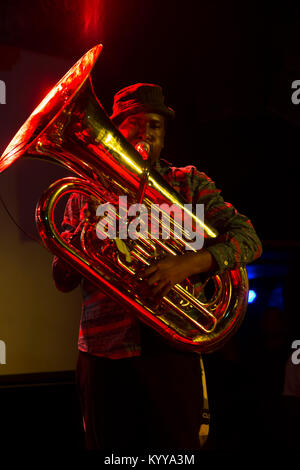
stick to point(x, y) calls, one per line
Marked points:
point(147, 127)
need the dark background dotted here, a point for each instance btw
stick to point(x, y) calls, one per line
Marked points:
point(227, 69)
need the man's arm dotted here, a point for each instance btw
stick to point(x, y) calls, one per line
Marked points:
point(65, 277)
point(236, 245)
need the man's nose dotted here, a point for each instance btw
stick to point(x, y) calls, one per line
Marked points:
point(145, 132)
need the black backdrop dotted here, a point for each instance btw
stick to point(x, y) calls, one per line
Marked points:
point(227, 69)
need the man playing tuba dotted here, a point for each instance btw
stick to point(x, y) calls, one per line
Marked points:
point(136, 390)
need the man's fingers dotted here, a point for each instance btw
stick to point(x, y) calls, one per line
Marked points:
point(153, 279)
point(161, 287)
point(149, 271)
point(160, 293)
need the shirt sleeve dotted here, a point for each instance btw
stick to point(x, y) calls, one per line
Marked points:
point(65, 277)
point(237, 243)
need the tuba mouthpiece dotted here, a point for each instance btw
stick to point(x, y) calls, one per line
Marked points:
point(144, 149)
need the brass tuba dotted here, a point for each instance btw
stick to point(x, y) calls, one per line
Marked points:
point(71, 128)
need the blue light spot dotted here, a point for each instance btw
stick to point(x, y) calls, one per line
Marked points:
point(276, 298)
point(251, 296)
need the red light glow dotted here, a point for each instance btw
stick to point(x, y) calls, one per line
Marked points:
point(49, 107)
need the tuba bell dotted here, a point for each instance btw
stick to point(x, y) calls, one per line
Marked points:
point(71, 128)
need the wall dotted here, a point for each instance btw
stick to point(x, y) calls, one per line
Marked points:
point(38, 324)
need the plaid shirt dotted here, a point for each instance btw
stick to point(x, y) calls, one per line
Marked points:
point(110, 331)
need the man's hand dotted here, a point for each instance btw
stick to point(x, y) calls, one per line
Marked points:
point(172, 270)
